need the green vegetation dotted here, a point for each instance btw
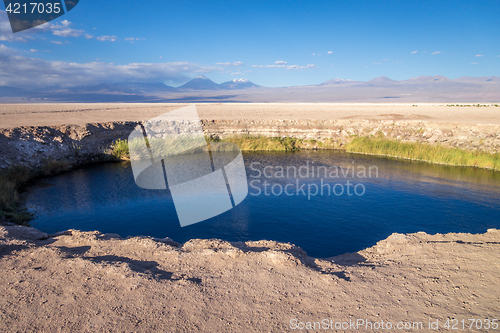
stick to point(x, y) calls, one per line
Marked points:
point(14, 178)
point(119, 149)
point(261, 143)
point(76, 150)
point(379, 145)
point(10, 207)
point(51, 167)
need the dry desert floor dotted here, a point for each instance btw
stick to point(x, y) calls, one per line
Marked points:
point(14, 115)
point(90, 282)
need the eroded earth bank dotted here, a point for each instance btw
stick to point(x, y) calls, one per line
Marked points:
point(31, 145)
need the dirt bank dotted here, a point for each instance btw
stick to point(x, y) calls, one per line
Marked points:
point(31, 133)
point(90, 282)
point(31, 145)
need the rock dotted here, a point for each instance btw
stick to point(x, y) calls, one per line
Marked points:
point(22, 232)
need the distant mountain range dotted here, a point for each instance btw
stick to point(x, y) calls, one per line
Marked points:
point(202, 89)
point(204, 83)
point(383, 81)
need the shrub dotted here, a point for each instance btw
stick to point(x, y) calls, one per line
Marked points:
point(119, 149)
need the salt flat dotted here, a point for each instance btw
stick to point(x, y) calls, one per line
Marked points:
point(15, 115)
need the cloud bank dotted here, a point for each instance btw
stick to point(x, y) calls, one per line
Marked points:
point(26, 72)
point(284, 64)
point(236, 63)
point(62, 29)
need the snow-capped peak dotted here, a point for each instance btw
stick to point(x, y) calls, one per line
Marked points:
point(342, 80)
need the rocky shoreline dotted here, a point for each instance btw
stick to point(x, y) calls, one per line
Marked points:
point(92, 282)
point(31, 145)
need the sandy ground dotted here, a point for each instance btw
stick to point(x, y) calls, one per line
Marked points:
point(14, 115)
point(89, 282)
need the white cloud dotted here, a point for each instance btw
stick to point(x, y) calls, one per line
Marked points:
point(295, 67)
point(88, 36)
point(237, 73)
point(283, 64)
point(269, 66)
point(106, 38)
point(437, 52)
point(12, 38)
point(377, 63)
point(413, 52)
point(133, 39)
point(474, 63)
point(479, 55)
point(6, 34)
point(33, 50)
point(57, 42)
point(399, 62)
point(330, 52)
point(61, 29)
point(236, 63)
point(19, 71)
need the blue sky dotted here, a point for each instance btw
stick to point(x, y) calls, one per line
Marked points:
point(272, 43)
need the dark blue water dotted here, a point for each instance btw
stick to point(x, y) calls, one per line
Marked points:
point(402, 197)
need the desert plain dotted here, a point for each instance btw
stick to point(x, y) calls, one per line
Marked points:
point(15, 115)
